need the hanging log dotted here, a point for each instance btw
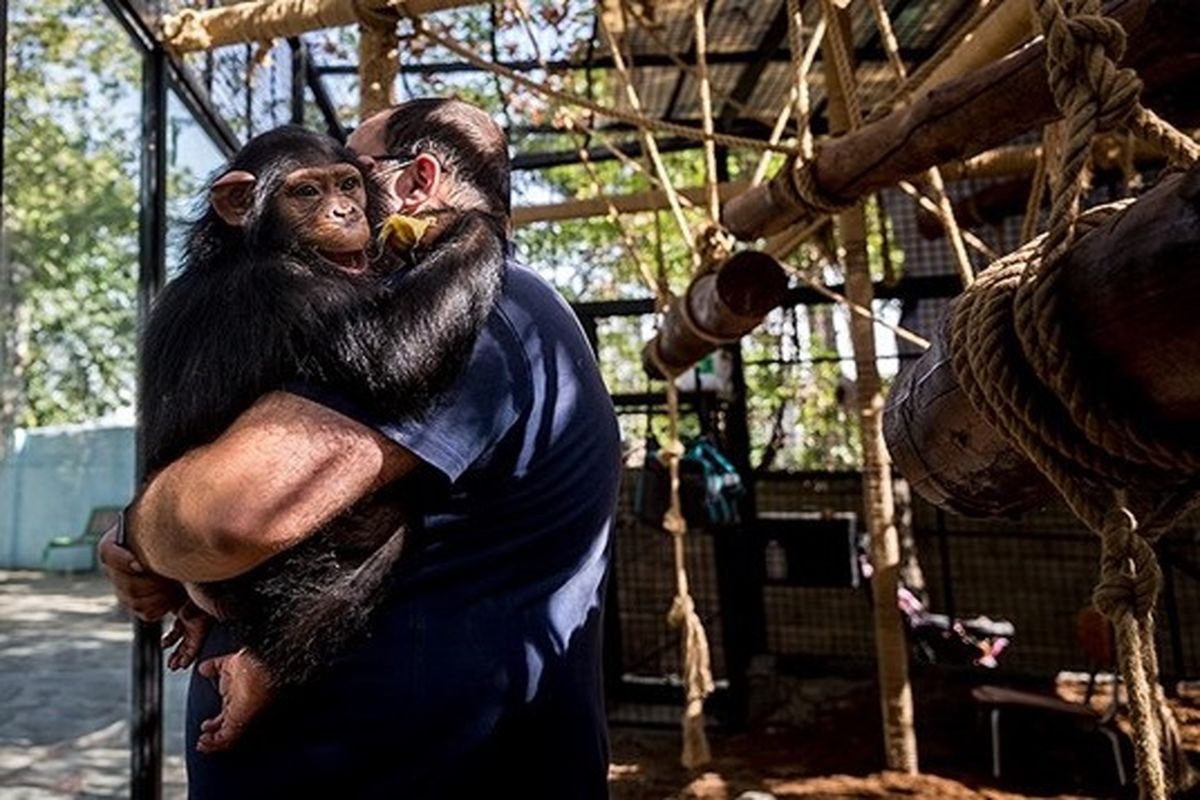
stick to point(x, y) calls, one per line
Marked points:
point(969, 115)
point(1130, 286)
point(626, 204)
point(719, 306)
point(196, 29)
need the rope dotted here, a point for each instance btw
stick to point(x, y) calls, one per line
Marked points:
point(664, 47)
point(991, 357)
point(794, 100)
point(650, 146)
point(1013, 359)
point(634, 118)
point(706, 113)
point(942, 206)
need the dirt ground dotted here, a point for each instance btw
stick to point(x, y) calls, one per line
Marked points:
point(64, 673)
point(837, 752)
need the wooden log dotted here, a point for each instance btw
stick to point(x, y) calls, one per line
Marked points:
point(194, 29)
point(966, 116)
point(719, 306)
point(626, 204)
point(1130, 286)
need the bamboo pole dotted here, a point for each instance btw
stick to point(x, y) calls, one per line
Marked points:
point(652, 200)
point(197, 29)
point(891, 645)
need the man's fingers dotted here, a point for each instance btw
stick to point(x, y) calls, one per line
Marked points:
point(115, 557)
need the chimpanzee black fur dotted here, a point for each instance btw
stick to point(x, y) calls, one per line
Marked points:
point(252, 313)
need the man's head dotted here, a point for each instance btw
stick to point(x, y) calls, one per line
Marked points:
point(438, 153)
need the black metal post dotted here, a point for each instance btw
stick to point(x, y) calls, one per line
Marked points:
point(146, 730)
point(299, 79)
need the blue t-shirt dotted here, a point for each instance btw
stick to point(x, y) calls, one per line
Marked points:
point(483, 673)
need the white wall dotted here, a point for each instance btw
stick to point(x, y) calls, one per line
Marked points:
point(50, 482)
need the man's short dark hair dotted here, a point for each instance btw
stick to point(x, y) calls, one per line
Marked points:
point(469, 144)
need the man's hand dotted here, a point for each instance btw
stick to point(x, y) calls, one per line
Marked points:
point(149, 596)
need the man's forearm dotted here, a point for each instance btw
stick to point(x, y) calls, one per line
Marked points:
point(286, 467)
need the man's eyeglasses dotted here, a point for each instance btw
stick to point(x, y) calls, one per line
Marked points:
point(395, 163)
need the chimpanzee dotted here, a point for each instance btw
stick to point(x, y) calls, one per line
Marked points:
point(283, 286)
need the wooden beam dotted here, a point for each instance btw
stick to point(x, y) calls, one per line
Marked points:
point(626, 204)
point(195, 29)
point(1130, 286)
point(966, 116)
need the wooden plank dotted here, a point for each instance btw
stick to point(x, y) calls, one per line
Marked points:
point(1130, 287)
point(626, 204)
point(966, 116)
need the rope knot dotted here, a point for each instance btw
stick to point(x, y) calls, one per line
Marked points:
point(682, 609)
point(1083, 48)
point(1130, 576)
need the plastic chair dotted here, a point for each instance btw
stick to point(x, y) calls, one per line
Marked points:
point(99, 521)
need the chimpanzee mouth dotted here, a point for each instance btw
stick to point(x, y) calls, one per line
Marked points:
point(353, 262)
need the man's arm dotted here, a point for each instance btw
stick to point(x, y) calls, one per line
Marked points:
point(284, 468)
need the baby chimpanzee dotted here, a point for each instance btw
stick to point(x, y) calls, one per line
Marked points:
point(282, 286)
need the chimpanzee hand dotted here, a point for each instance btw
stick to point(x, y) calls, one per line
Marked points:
point(245, 688)
point(190, 628)
point(151, 597)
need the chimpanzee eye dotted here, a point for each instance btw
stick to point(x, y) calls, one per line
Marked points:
point(350, 184)
point(306, 190)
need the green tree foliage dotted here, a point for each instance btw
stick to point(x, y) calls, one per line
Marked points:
point(70, 183)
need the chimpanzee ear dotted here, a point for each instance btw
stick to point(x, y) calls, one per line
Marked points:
point(232, 196)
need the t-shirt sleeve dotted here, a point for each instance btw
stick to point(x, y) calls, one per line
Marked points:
point(472, 416)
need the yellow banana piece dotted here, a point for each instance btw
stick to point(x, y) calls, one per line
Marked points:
point(403, 231)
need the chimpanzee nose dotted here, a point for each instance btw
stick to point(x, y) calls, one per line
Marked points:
point(344, 213)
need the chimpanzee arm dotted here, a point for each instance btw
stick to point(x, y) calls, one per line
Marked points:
point(286, 467)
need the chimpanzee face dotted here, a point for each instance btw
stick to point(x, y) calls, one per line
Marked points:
point(317, 208)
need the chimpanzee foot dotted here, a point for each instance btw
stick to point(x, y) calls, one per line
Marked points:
point(245, 688)
point(190, 629)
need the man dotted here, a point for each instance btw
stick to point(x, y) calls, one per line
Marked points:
point(483, 673)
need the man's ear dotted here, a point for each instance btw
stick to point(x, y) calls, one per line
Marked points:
point(418, 184)
point(232, 196)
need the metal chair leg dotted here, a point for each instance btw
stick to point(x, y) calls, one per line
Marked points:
point(995, 743)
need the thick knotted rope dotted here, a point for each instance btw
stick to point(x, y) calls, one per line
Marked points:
point(992, 358)
point(1014, 360)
